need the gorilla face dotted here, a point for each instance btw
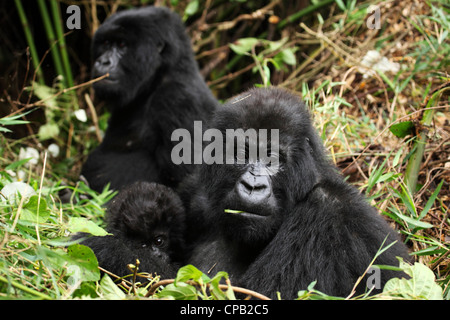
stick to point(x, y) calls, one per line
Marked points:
point(248, 197)
point(131, 47)
point(151, 215)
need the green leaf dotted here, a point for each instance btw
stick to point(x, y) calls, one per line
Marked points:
point(13, 120)
point(421, 285)
point(46, 94)
point(288, 56)
point(402, 129)
point(217, 292)
point(189, 272)
point(341, 5)
point(181, 291)
point(413, 223)
point(275, 45)
point(109, 290)
point(431, 200)
point(4, 130)
point(78, 224)
point(17, 164)
point(48, 131)
point(243, 46)
point(35, 210)
point(83, 262)
point(191, 9)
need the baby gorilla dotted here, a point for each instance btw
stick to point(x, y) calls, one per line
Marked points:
point(147, 223)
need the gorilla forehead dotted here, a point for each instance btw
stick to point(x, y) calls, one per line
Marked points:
point(159, 202)
point(269, 108)
point(141, 22)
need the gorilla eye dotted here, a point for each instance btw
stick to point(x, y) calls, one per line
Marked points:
point(122, 44)
point(159, 241)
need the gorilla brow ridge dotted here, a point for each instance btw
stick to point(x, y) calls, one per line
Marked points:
point(258, 146)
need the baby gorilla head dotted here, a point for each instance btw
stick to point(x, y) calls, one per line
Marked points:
point(147, 224)
point(150, 214)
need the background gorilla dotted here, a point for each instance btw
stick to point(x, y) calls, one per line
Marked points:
point(288, 229)
point(147, 223)
point(154, 86)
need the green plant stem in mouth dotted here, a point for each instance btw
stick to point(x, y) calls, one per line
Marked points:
point(244, 213)
point(234, 211)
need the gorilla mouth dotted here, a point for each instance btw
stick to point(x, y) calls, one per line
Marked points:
point(109, 81)
point(105, 81)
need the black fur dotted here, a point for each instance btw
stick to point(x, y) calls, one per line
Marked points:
point(147, 222)
point(310, 226)
point(154, 87)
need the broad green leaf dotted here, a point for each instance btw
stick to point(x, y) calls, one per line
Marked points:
point(244, 45)
point(217, 292)
point(109, 290)
point(46, 94)
point(288, 56)
point(35, 210)
point(48, 131)
point(85, 262)
point(275, 45)
point(181, 291)
point(78, 224)
point(421, 285)
point(191, 8)
point(402, 129)
point(190, 272)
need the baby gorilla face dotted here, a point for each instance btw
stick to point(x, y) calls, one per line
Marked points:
point(149, 214)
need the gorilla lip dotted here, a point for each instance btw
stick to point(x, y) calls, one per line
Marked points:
point(109, 81)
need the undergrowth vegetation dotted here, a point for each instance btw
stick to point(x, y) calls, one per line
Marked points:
point(376, 80)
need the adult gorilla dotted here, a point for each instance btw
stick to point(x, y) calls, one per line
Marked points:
point(280, 230)
point(154, 87)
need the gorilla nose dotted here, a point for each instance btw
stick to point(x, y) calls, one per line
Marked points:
point(254, 189)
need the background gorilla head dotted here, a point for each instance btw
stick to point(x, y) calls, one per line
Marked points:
point(253, 194)
point(134, 47)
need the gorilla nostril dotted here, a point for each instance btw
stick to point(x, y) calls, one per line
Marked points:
point(247, 185)
point(253, 189)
